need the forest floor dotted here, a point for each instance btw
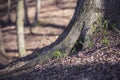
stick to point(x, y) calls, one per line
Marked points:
point(101, 62)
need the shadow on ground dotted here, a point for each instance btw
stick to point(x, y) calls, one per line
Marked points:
point(94, 71)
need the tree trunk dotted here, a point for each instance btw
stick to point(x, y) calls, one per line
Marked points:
point(94, 11)
point(113, 13)
point(84, 22)
point(26, 20)
point(9, 7)
point(4, 59)
point(38, 5)
point(20, 28)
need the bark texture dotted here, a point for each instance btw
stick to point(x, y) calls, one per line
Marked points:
point(95, 9)
point(20, 28)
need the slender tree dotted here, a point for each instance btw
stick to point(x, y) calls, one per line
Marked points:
point(26, 13)
point(20, 28)
point(4, 59)
point(9, 7)
point(38, 5)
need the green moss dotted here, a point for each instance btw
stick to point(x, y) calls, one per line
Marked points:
point(105, 25)
point(91, 44)
point(105, 41)
point(58, 54)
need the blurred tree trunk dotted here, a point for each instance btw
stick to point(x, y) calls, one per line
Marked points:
point(38, 5)
point(4, 59)
point(20, 28)
point(26, 13)
point(9, 7)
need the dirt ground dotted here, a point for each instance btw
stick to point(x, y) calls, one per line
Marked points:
point(55, 14)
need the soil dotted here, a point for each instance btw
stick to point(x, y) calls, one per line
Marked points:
point(100, 62)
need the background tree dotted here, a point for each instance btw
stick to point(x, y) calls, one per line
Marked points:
point(38, 5)
point(9, 7)
point(26, 13)
point(4, 59)
point(20, 28)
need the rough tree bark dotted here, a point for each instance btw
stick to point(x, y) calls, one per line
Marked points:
point(20, 28)
point(85, 20)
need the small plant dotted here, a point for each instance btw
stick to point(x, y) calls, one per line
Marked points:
point(115, 28)
point(90, 44)
point(73, 51)
point(58, 54)
point(105, 41)
point(105, 25)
